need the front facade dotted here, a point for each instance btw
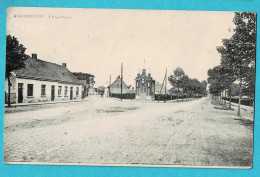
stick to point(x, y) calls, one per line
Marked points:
point(145, 86)
point(42, 81)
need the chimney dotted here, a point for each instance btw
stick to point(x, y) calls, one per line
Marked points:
point(34, 55)
point(144, 71)
point(149, 74)
point(64, 65)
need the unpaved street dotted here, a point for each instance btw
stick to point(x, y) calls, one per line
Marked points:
point(110, 131)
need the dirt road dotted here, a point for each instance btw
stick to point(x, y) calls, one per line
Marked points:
point(108, 131)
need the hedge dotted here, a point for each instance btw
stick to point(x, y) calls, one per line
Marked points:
point(244, 101)
point(124, 96)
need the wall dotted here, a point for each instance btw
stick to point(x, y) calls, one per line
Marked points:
point(115, 87)
point(37, 91)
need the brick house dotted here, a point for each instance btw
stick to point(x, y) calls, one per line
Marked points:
point(145, 86)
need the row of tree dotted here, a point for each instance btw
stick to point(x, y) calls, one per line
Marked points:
point(183, 85)
point(235, 76)
point(90, 78)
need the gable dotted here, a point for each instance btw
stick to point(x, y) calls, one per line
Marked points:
point(117, 83)
point(143, 76)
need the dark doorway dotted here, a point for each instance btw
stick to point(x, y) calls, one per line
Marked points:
point(71, 93)
point(20, 92)
point(52, 92)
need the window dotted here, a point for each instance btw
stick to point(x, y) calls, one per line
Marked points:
point(43, 90)
point(148, 84)
point(30, 90)
point(77, 91)
point(137, 84)
point(143, 81)
point(66, 91)
point(59, 90)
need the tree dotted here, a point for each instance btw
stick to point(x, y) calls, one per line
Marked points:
point(204, 87)
point(238, 52)
point(15, 57)
point(216, 81)
point(233, 90)
point(175, 80)
point(185, 84)
point(249, 85)
point(89, 78)
point(85, 76)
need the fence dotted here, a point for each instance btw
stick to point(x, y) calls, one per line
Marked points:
point(244, 101)
point(174, 97)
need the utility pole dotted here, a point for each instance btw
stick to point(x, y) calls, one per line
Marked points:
point(121, 80)
point(109, 86)
point(166, 85)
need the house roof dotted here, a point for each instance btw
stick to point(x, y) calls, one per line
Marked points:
point(37, 69)
point(118, 79)
point(139, 77)
point(144, 76)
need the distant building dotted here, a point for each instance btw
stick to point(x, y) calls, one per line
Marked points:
point(91, 90)
point(160, 89)
point(42, 81)
point(115, 87)
point(145, 86)
point(87, 81)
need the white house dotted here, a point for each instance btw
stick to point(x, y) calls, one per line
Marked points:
point(42, 81)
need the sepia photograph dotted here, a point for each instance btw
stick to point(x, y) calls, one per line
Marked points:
point(124, 87)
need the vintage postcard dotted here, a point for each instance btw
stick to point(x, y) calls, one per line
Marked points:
point(129, 87)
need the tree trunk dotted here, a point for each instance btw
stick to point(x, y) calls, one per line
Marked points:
point(225, 96)
point(221, 98)
point(230, 102)
point(9, 90)
point(178, 94)
point(182, 95)
point(253, 103)
point(222, 101)
point(240, 96)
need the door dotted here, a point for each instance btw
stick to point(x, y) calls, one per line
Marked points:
point(20, 92)
point(71, 93)
point(52, 92)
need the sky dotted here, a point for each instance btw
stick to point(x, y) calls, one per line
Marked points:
point(97, 41)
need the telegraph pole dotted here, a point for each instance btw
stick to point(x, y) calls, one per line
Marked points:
point(166, 85)
point(121, 80)
point(109, 86)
